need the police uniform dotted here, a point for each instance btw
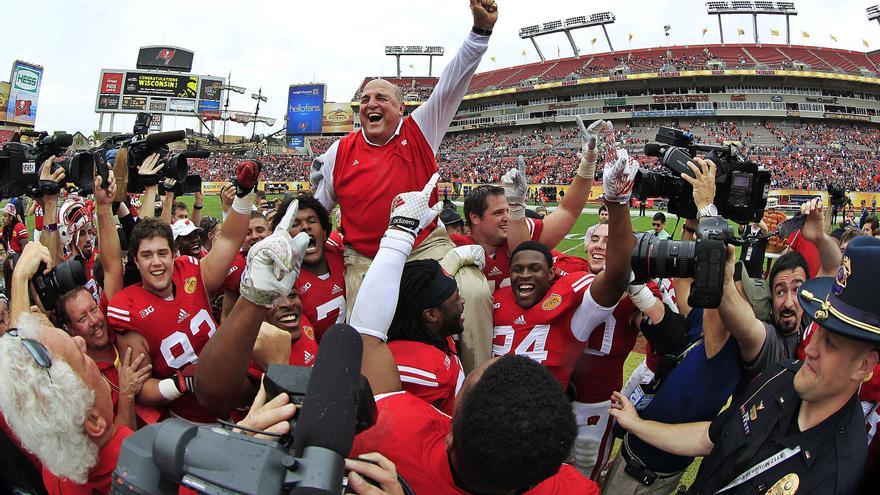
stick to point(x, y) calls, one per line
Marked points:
point(759, 447)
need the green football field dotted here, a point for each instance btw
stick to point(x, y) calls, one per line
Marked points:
point(573, 244)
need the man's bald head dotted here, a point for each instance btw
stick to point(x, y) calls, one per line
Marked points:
point(381, 110)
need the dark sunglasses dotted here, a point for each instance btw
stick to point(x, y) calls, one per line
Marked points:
point(37, 349)
point(657, 224)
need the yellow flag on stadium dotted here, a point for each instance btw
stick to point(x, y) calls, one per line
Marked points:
point(524, 52)
point(805, 34)
point(741, 31)
point(493, 59)
point(593, 41)
point(865, 42)
point(833, 37)
point(630, 36)
point(774, 32)
point(705, 30)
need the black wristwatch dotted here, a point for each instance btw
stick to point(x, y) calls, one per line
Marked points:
point(52, 227)
point(197, 207)
point(481, 31)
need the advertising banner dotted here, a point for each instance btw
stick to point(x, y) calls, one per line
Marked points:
point(210, 89)
point(146, 84)
point(305, 105)
point(134, 103)
point(209, 109)
point(158, 104)
point(182, 105)
point(4, 99)
point(294, 141)
point(111, 83)
point(338, 117)
point(108, 102)
point(25, 80)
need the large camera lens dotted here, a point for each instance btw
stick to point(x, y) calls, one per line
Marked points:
point(654, 258)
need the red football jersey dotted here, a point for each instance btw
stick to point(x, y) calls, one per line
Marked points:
point(176, 330)
point(564, 264)
point(497, 267)
point(305, 349)
point(428, 373)
point(13, 243)
point(366, 178)
point(599, 371)
point(323, 298)
point(554, 331)
point(412, 435)
point(232, 282)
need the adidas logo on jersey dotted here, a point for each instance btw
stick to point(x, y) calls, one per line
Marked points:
point(182, 316)
point(336, 289)
point(355, 162)
point(308, 356)
point(520, 321)
point(403, 143)
point(494, 272)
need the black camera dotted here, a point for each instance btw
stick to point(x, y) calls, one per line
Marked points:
point(741, 187)
point(703, 260)
point(190, 185)
point(20, 165)
point(336, 400)
point(64, 277)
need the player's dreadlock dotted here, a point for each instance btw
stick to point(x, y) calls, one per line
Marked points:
point(408, 323)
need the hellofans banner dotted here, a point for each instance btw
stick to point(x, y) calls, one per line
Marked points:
point(21, 107)
point(305, 105)
point(338, 117)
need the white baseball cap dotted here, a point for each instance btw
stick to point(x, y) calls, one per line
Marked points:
point(184, 226)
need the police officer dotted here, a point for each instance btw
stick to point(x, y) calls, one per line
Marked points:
point(799, 427)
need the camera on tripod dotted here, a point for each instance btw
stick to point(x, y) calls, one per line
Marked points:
point(741, 187)
point(703, 260)
point(20, 164)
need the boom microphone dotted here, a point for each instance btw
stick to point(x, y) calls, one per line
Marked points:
point(326, 425)
point(160, 138)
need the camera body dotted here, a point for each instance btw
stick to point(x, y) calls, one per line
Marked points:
point(20, 164)
point(703, 260)
point(61, 279)
point(741, 187)
point(158, 457)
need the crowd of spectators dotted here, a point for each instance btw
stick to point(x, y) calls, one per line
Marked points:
point(806, 156)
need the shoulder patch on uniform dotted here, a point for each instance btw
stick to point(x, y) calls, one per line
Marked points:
point(190, 285)
point(309, 331)
point(551, 302)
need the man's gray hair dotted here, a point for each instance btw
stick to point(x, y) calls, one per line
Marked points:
point(46, 414)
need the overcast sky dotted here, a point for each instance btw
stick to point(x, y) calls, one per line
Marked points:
point(271, 44)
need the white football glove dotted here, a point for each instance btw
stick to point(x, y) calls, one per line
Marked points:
point(618, 178)
point(410, 211)
point(471, 254)
point(273, 264)
point(516, 189)
point(589, 153)
point(316, 176)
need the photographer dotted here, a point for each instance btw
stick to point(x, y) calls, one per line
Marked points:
point(694, 356)
point(799, 425)
point(760, 343)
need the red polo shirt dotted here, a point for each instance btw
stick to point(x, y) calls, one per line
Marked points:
point(99, 476)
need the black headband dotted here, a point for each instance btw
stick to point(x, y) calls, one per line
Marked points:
point(439, 290)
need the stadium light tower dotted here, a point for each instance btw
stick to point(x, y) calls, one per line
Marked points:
point(873, 13)
point(756, 8)
point(567, 26)
point(423, 51)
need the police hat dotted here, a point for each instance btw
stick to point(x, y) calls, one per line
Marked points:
point(847, 303)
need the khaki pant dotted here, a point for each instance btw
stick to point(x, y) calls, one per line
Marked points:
point(620, 483)
point(476, 341)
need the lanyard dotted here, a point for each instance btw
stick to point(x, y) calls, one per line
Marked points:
point(762, 466)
